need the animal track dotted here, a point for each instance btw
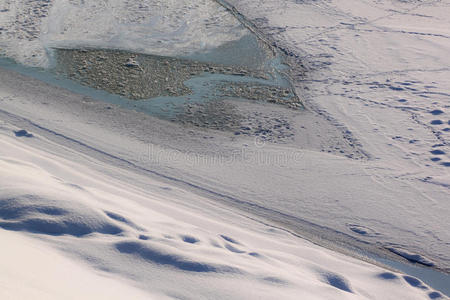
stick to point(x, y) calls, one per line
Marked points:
point(189, 239)
point(362, 230)
point(255, 254)
point(387, 276)
point(414, 282)
point(337, 281)
point(436, 112)
point(23, 133)
point(144, 237)
point(437, 152)
point(435, 295)
point(436, 122)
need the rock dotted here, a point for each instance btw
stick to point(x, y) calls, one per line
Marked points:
point(131, 63)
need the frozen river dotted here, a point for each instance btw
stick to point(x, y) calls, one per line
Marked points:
point(328, 119)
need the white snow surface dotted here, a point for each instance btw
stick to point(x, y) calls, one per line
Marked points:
point(381, 70)
point(171, 28)
point(116, 191)
point(75, 227)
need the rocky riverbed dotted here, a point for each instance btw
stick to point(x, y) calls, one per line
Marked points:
point(138, 76)
point(142, 77)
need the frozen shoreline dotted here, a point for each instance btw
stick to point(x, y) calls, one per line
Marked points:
point(161, 155)
point(393, 203)
point(146, 218)
point(191, 156)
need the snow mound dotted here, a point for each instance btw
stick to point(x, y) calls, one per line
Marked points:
point(25, 205)
point(160, 256)
point(33, 213)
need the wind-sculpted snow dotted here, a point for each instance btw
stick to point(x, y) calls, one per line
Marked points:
point(188, 214)
point(54, 217)
point(171, 28)
point(27, 206)
point(147, 239)
point(165, 258)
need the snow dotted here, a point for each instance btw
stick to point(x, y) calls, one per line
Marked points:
point(380, 69)
point(175, 212)
point(167, 28)
point(33, 270)
point(73, 225)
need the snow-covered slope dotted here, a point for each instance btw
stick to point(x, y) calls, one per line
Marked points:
point(132, 196)
point(33, 270)
point(106, 226)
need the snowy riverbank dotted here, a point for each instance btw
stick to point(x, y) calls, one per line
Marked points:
point(64, 200)
point(147, 202)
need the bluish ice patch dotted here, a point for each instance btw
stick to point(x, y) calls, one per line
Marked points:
point(204, 87)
